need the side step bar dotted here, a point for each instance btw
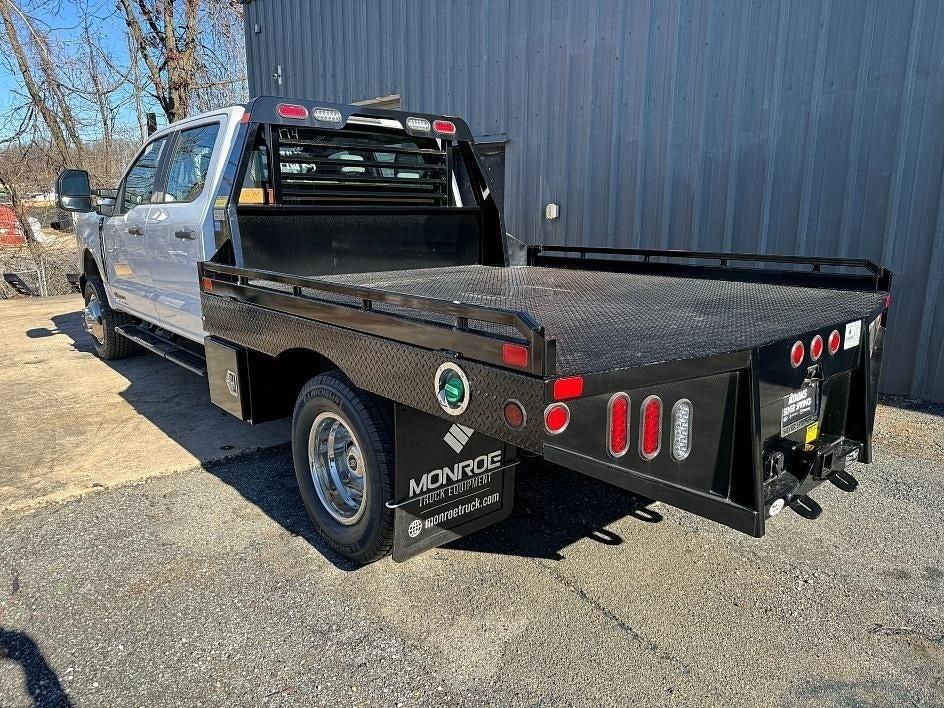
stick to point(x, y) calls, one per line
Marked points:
point(164, 347)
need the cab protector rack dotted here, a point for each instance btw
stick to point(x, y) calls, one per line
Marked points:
point(875, 278)
point(243, 284)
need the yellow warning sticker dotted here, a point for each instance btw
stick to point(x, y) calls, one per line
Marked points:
point(812, 432)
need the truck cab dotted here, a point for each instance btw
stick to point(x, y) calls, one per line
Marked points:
point(147, 235)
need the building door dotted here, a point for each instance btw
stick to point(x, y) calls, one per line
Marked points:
point(492, 156)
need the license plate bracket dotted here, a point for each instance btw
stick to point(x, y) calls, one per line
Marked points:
point(800, 408)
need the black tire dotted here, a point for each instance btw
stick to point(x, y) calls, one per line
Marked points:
point(370, 420)
point(112, 345)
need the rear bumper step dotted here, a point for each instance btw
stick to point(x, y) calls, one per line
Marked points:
point(164, 347)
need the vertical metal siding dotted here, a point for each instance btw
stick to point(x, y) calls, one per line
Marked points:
point(801, 126)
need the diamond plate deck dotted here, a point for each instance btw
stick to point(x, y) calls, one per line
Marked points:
point(604, 321)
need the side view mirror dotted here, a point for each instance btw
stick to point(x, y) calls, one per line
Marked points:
point(73, 192)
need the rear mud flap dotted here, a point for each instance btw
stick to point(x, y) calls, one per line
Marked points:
point(450, 481)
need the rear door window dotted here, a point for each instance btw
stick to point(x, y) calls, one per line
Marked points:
point(190, 163)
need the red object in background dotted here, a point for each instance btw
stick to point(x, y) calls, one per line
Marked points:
point(10, 232)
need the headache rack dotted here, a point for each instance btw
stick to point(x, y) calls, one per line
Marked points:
point(328, 168)
point(286, 293)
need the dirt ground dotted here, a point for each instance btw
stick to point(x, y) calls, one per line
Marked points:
point(71, 423)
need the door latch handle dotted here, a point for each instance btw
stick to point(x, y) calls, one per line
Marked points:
point(184, 234)
point(135, 230)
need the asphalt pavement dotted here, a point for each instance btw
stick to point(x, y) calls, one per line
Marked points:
point(206, 586)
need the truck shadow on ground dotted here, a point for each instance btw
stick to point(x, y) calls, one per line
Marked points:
point(41, 681)
point(553, 507)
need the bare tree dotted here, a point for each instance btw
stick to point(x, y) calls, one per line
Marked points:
point(33, 58)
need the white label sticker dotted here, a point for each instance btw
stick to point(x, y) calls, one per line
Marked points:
point(853, 333)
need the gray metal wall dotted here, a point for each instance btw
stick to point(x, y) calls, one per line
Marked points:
point(803, 126)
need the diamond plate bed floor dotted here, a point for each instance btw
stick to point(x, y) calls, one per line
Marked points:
point(604, 321)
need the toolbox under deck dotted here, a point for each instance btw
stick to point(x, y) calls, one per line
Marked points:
point(604, 320)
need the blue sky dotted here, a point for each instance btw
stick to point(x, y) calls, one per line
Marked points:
point(63, 20)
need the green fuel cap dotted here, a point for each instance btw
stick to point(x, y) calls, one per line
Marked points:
point(454, 390)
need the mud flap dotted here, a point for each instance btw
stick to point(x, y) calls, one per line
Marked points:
point(450, 481)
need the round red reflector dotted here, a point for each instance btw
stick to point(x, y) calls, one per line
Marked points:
point(650, 432)
point(617, 426)
point(514, 415)
point(556, 418)
point(816, 348)
point(291, 110)
point(834, 341)
point(444, 127)
point(796, 354)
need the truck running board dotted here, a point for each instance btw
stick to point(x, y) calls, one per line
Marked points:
point(164, 347)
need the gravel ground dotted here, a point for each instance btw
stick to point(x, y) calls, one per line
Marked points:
point(207, 588)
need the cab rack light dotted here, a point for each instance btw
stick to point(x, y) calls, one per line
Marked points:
point(444, 127)
point(292, 110)
point(421, 125)
point(327, 115)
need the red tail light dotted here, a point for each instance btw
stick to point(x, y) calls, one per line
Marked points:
point(650, 431)
point(444, 127)
point(797, 354)
point(556, 418)
point(515, 354)
point(816, 348)
point(834, 341)
point(292, 110)
point(568, 387)
point(617, 426)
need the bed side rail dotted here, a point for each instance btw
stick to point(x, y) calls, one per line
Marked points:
point(250, 285)
point(838, 273)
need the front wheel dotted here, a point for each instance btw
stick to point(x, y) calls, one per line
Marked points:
point(100, 323)
point(342, 446)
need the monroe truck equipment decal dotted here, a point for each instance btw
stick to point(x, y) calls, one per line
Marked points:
point(444, 491)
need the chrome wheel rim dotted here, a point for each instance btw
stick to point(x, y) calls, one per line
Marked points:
point(337, 468)
point(94, 324)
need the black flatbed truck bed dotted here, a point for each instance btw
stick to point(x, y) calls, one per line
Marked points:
point(667, 346)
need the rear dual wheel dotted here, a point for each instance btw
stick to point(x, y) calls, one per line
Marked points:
point(342, 447)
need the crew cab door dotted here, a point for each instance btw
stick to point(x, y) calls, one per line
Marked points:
point(179, 221)
point(127, 265)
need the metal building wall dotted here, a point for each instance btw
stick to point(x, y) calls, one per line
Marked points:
point(803, 126)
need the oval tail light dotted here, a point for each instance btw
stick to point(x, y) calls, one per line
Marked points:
point(650, 429)
point(617, 425)
point(796, 354)
point(816, 348)
point(681, 429)
point(834, 341)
